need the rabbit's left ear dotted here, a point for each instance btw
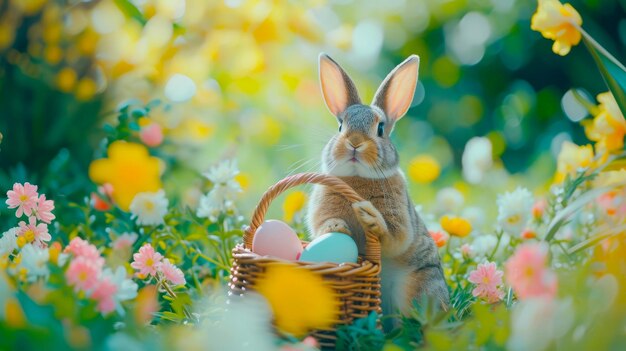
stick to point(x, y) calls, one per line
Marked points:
point(395, 94)
point(337, 87)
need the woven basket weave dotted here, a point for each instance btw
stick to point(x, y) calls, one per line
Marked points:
point(357, 284)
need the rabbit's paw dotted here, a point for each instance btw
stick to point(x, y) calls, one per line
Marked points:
point(335, 225)
point(370, 217)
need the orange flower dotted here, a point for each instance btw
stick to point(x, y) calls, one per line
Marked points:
point(440, 238)
point(456, 226)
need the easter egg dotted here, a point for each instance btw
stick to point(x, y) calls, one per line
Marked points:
point(276, 238)
point(331, 247)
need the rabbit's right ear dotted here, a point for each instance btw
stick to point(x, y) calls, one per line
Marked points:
point(337, 88)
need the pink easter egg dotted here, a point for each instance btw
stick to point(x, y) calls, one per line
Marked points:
point(276, 238)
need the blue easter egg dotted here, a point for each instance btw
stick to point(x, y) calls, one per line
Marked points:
point(331, 247)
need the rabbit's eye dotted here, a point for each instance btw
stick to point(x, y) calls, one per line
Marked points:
point(340, 124)
point(381, 129)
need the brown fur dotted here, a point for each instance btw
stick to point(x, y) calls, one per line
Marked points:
point(364, 157)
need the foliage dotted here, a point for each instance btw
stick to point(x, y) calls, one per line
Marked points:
point(530, 220)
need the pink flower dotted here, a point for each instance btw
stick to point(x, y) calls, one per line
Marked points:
point(146, 260)
point(439, 237)
point(467, 251)
point(487, 277)
point(24, 197)
point(172, 273)
point(104, 294)
point(539, 208)
point(82, 248)
point(527, 273)
point(151, 135)
point(44, 209)
point(124, 241)
point(112, 289)
point(83, 273)
point(33, 231)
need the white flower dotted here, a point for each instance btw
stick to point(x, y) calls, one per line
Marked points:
point(35, 261)
point(514, 210)
point(224, 172)
point(221, 199)
point(449, 200)
point(535, 322)
point(484, 245)
point(126, 288)
point(475, 215)
point(224, 327)
point(477, 159)
point(428, 218)
point(8, 242)
point(149, 208)
point(124, 241)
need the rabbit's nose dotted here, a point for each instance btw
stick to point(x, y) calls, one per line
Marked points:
point(350, 145)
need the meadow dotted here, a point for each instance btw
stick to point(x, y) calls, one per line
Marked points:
point(137, 137)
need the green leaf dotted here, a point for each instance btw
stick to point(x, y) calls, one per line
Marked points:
point(130, 10)
point(613, 71)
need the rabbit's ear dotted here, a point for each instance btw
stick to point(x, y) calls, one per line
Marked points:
point(395, 94)
point(338, 89)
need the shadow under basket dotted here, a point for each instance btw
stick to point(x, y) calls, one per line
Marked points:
point(357, 285)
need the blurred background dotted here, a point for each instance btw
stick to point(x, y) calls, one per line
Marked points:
point(238, 79)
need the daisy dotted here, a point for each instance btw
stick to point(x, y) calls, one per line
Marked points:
point(113, 288)
point(35, 261)
point(514, 210)
point(33, 231)
point(44, 209)
point(8, 242)
point(487, 277)
point(449, 200)
point(22, 197)
point(527, 272)
point(221, 198)
point(82, 248)
point(83, 273)
point(477, 159)
point(103, 293)
point(124, 241)
point(223, 173)
point(146, 261)
point(149, 208)
point(172, 273)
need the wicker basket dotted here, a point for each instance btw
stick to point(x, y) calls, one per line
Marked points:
point(357, 284)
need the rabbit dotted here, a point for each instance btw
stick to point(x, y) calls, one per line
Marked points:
point(362, 155)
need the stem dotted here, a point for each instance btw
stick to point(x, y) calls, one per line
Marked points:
point(495, 248)
point(162, 282)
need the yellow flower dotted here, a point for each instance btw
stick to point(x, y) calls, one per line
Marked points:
point(14, 314)
point(456, 226)
point(610, 178)
point(129, 169)
point(86, 89)
point(66, 78)
point(424, 169)
point(608, 127)
point(571, 158)
point(300, 299)
point(558, 22)
point(244, 180)
point(294, 202)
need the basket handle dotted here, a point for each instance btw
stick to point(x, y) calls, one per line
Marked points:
point(372, 243)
